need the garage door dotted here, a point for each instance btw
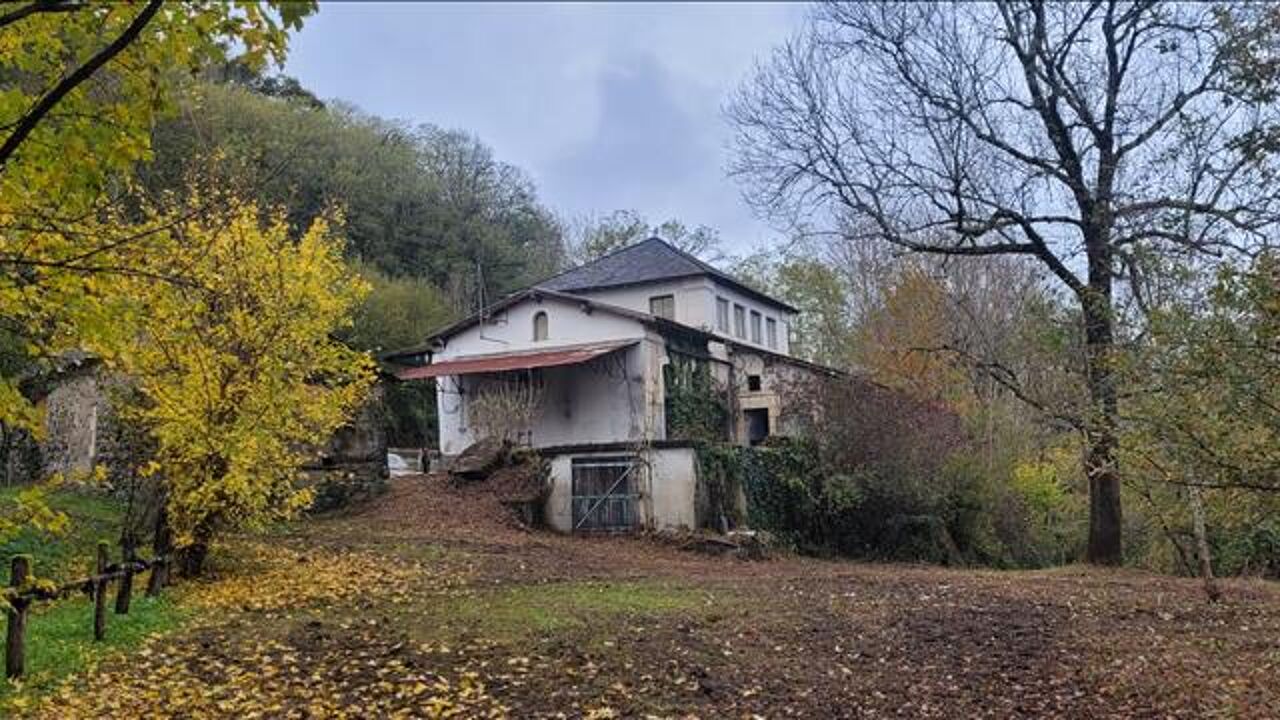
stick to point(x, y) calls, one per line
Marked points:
point(604, 493)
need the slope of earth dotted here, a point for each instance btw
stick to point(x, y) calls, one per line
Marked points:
point(429, 603)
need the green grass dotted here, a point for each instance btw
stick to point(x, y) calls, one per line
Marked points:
point(60, 637)
point(93, 517)
point(531, 609)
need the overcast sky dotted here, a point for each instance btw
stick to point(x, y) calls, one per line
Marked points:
point(606, 106)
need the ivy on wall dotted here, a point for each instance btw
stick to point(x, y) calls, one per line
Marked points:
point(774, 487)
point(696, 408)
point(785, 488)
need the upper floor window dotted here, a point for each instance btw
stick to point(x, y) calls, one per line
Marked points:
point(663, 306)
point(722, 315)
point(755, 327)
point(540, 326)
point(739, 321)
point(771, 332)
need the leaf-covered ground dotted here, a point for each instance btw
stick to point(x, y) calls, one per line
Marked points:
point(426, 605)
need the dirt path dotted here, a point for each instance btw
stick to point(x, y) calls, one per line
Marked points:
point(465, 615)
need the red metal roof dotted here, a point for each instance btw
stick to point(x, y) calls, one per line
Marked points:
point(513, 361)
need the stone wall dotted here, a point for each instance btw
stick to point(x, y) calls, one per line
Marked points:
point(21, 462)
point(352, 466)
point(77, 416)
point(83, 431)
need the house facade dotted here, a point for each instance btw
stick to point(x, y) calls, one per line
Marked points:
point(588, 367)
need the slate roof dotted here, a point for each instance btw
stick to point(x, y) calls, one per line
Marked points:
point(651, 260)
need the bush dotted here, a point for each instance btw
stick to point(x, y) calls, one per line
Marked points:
point(864, 512)
point(951, 513)
point(1249, 550)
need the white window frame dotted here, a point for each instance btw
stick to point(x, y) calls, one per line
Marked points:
point(722, 314)
point(670, 297)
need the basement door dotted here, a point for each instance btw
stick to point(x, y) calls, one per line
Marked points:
point(604, 493)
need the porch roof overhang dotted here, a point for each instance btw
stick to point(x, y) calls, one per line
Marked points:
point(503, 362)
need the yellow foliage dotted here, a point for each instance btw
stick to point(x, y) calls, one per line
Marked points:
point(234, 661)
point(29, 509)
point(901, 344)
point(1044, 483)
point(270, 577)
point(237, 374)
point(57, 258)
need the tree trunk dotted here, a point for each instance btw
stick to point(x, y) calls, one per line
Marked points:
point(162, 546)
point(1202, 544)
point(190, 559)
point(1105, 546)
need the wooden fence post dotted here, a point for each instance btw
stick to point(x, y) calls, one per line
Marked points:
point(15, 638)
point(156, 579)
point(100, 594)
point(124, 593)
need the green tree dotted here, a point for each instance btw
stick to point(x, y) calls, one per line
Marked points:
point(397, 313)
point(418, 201)
point(1203, 425)
point(824, 329)
point(400, 313)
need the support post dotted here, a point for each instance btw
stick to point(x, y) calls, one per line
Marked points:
point(124, 593)
point(100, 594)
point(15, 638)
point(156, 580)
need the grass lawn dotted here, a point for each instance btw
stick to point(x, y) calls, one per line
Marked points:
point(60, 634)
point(93, 516)
point(60, 638)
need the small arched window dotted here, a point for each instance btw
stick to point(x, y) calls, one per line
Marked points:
point(540, 326)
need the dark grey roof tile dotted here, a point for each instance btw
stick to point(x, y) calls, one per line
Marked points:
point(649, 260)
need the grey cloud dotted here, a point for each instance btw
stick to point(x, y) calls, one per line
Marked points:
point(645, 145)
point(606, 106)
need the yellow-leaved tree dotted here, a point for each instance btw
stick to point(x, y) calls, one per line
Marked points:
point(237, 375)
point(902, 342)
point(81, 87)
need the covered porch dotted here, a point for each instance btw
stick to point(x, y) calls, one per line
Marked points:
point(566, 395)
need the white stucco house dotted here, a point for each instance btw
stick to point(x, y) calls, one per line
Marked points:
point(594, 351)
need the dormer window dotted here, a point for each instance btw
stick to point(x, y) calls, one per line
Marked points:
point(540, 326)
point(663, 306)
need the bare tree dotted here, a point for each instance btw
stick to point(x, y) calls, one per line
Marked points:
point(593, 236)
point(1088, 136)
